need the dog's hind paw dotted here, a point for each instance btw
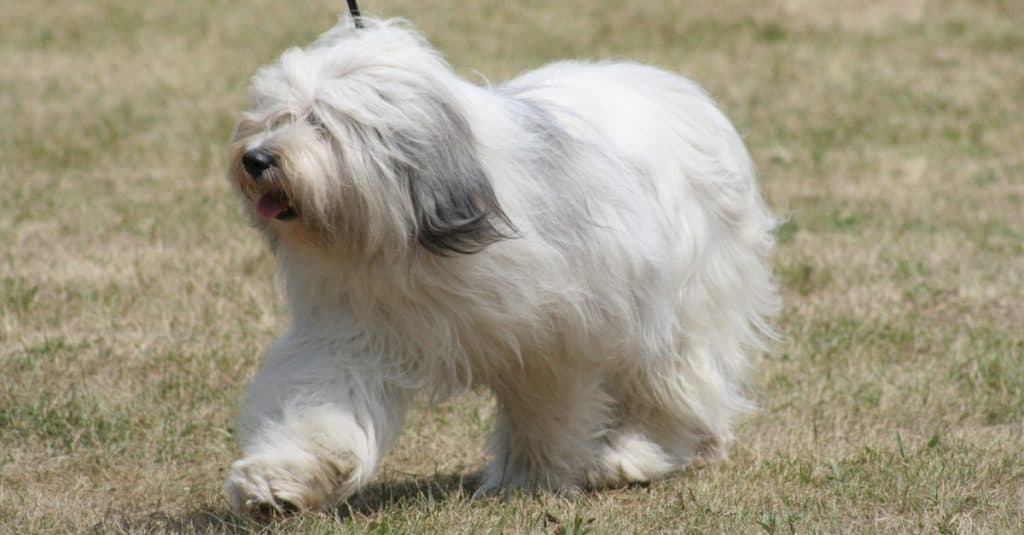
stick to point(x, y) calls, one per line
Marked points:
point(629, 458)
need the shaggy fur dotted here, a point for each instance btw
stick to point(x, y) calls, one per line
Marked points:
point(587, 241)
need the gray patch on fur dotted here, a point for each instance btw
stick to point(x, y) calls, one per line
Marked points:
point(554, 158)
point(454, 202)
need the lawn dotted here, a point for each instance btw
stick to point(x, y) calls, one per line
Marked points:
point(135, 301)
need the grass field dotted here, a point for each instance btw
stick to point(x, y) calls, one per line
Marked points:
point(134, 301)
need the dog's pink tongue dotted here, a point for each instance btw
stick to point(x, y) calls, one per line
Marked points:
point(271, 205)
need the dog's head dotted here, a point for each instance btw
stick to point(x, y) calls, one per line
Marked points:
point(360, 143)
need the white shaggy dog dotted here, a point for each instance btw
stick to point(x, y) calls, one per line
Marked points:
point(587, 241)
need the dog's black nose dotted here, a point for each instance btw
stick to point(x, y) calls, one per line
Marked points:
point(256, 161)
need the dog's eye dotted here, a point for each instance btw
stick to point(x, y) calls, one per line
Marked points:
point(315, 122)
point(280, 121)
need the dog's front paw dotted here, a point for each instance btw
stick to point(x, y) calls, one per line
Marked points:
point(265, 485)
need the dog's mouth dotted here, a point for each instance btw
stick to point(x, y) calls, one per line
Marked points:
point(275, 205)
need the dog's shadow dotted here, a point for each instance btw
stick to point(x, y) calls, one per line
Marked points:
point(381, 496)
point(375, 498)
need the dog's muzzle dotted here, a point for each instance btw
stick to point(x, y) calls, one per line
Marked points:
point(273, 204)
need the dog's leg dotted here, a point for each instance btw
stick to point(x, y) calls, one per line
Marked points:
point(642, 451)
point(547, 432)
point(652, 446)
point(311, 432)
point(664, 422)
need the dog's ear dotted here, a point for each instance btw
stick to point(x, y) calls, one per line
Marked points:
point(454, 203)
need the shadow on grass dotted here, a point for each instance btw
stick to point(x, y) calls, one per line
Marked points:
point(202, 520)
point(373, 499)
point(381, 496)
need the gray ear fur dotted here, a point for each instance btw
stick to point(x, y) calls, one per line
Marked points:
point(455, 207)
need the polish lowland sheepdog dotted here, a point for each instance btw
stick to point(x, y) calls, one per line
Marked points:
point(586, 241)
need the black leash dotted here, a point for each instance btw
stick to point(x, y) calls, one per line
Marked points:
point(353, 10)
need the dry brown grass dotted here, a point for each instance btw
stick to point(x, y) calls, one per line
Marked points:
point(134, 302)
